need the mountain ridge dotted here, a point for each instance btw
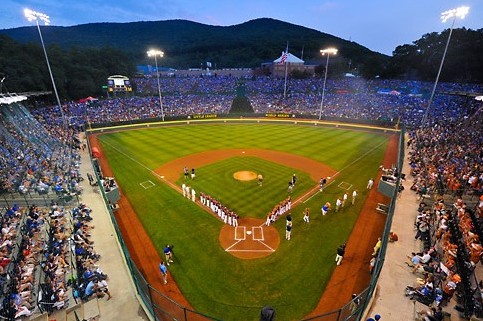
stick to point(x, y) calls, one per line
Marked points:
point(188, 43)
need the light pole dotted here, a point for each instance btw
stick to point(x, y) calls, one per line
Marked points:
point(31, 16)
point(327, 51)
point(1, 84)
point(155, 53)
point(460, 12)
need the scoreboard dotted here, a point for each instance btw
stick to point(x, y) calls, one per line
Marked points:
point(118, 83)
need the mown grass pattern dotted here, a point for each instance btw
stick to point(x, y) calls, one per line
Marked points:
point(293, 278)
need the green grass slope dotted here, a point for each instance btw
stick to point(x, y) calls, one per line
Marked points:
point(293, 278)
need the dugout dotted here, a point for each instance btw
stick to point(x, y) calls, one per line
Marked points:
point(113, 196)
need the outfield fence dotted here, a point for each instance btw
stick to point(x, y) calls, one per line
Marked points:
point(258, 116)
point(159, 306)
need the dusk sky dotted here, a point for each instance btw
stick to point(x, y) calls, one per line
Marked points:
point(376, 24)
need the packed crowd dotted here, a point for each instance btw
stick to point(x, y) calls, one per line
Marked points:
point(45, 253)
point(446, 163)
point(33, 160)
point(348, 98)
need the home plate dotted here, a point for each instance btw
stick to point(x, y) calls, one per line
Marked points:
point(249, 232)
point(162, 176)
point(243, 152)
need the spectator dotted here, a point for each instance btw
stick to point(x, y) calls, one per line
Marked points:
point(393, 237)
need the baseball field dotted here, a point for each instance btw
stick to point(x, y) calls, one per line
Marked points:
point(230, 272)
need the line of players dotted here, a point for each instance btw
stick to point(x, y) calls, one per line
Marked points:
point(279, 209)
point(225, 214)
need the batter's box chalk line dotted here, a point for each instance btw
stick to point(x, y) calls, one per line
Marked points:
point(256, 233)
point(344, 185)
point(147, 184)
point(240, 230)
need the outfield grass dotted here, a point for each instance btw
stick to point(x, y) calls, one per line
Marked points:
point(293, 278)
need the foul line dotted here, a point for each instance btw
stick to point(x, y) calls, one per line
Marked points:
point(145, 167)
point(228, 248)
point(161, 178)
point(272, 250)
point(336, 174)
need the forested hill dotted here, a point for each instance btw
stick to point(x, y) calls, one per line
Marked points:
point(187, 44)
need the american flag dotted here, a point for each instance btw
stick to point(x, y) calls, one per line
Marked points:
point(284, 57)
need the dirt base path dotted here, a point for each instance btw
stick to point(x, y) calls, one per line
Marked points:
point(252, 239)
point(172, 170)
point(138, 242)
point(351, 277)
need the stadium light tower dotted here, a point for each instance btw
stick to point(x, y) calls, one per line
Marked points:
point(36, 16)
point(155, 53)
point(460, 12)
point(327, 52)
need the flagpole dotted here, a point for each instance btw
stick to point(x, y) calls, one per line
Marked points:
point(283, 60)
point(285, 84)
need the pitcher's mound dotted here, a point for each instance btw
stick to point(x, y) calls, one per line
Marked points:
point(245, 175)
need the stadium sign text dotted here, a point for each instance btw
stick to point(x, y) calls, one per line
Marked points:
point(277, 115)
point(205, 116)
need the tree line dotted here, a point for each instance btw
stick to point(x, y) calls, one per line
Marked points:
point(78, 72)
point(81, 71)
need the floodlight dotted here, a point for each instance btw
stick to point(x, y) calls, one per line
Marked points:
point(155, 53)
point(327, 51)
point(460, 12)
point(34, 15)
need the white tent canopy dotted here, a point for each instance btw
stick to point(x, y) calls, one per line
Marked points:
point(290, 59)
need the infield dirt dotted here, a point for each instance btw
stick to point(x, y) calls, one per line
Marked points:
point(351, 277)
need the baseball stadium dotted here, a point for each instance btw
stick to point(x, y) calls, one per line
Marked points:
point(156, 183)
point(241, 197)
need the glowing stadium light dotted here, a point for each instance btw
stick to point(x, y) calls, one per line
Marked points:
point(327, 52)
point(155, 53)
point(460, 12)
point(36, 16)
point(11, 98)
